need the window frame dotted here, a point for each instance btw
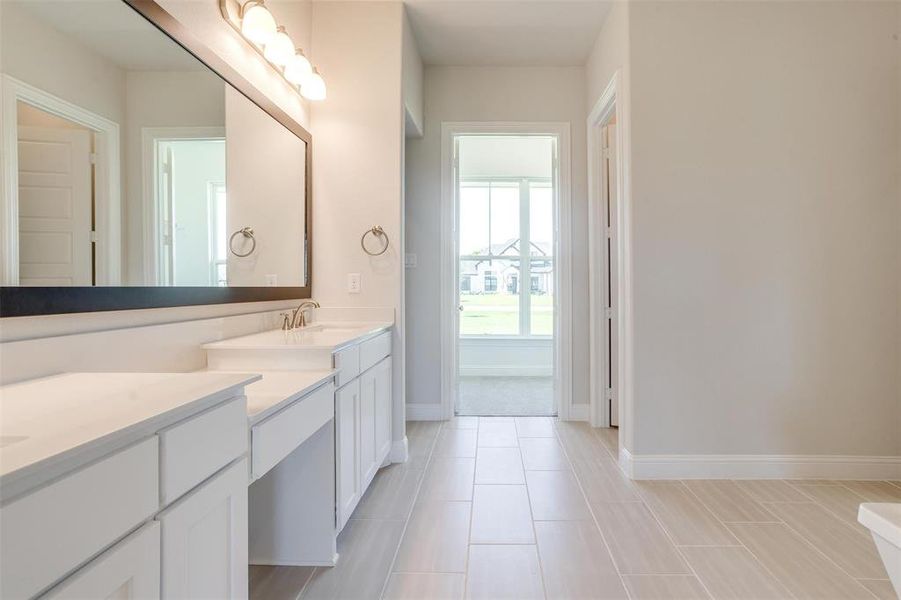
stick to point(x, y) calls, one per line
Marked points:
point(523, 259)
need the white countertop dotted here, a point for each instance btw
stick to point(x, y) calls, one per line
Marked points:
point(317, 336)
point(278, 389)
point(52, 425)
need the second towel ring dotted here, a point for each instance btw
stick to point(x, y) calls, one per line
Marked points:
point(247, 232)
point(377, 231)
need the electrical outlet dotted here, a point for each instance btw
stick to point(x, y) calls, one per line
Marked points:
point(271, 280)
point(354, 283)
point(410, 260)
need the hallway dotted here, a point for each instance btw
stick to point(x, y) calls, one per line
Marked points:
point(535, 508)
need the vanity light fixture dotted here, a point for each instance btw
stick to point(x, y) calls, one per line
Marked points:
point(279, 49)
point(256, 24)
point(298, 69)
point(314, 87)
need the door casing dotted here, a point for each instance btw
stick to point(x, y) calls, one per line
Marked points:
point(449, 322)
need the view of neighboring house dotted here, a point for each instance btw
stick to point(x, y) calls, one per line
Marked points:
point(496, 270)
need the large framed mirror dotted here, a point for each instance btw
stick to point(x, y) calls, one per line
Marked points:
point(139, 169)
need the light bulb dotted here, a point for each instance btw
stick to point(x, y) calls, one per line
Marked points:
point(279, 49)
point(298, 69)
point(258, 24)
point(314, 87)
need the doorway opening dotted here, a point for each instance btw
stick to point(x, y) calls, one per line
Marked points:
point(506, 188)
point(186, 240)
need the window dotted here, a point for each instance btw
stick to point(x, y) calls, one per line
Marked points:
point(509, 225)
point(490, 282)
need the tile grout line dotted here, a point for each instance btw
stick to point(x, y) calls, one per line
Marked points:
point(802, 538)
point(531, 514)
point(675, 546)
point(472, 503)
point(403, 533)
point(594, 518)
point(741, 543)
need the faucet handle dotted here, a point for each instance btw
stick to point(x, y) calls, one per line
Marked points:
point(286, 321)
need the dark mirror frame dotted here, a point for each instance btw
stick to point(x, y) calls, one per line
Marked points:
point(33, 301)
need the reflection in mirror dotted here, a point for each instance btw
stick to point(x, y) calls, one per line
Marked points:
point(134, 163)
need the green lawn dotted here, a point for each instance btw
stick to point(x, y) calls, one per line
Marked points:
point(498, 314)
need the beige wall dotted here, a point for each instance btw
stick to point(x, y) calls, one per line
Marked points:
point(485, 94)
point(357, 153)
point(412, 82)
point(765, 151)
point(265, 191)
point(610, 52)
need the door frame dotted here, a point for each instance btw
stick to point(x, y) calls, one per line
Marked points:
point(613, 102)
point(107, 189)
point(449, 322)
point(150, 137)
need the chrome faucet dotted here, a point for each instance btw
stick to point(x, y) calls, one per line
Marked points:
point(299, 317)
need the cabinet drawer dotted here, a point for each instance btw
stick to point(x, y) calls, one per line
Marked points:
point(129, 570)
point(347, 362)
point(278, 436)
point(51, 531)
point(374, 350)
point(195, 449)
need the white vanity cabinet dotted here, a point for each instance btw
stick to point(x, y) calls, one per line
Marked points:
point(147, 499)
point(204, 539)
point(130, 570)
point(347, 459)
point(362, 419)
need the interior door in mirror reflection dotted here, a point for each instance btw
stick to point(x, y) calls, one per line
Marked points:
point(55, 206)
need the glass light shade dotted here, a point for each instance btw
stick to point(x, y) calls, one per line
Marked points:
point(258, 24)
point(314, 87)
point(298, 69)
point(279, 49)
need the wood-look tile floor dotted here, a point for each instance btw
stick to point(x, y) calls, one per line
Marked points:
point(504, 507)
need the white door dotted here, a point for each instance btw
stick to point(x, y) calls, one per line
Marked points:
point(347, 423)
point(382, 373)
point(368, 459)
point(204, 539)
point(55, 206)
point(610, 310)
point(130, 570)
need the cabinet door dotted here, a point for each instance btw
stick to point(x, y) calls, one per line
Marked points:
point(367, 427)
point(382, 410)
point(204, 539)
point(347, 458)
point(130, 570)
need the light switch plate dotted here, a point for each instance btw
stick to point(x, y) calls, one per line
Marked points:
point(354, 283)
point(410, 260)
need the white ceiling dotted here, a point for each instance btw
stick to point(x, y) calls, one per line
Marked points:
point(114, 31)
point(506, 32)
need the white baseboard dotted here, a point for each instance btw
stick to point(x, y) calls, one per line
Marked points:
point(424, 412)
point(506, 371)
point(399, 451)
point(758, 466)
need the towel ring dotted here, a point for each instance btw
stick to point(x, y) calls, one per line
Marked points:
point(377, 231)
point(247, 232)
